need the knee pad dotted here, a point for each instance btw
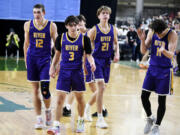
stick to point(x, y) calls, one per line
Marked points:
point(45, 90)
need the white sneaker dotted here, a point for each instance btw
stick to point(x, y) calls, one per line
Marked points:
point(80, 126)
point(54, 131)
point(149, 125)
point(87, 114)
point(48, 117)
point(101, 123)
point(39, 124)
point(155, 130)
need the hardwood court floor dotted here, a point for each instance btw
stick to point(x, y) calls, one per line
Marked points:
point(122, 99)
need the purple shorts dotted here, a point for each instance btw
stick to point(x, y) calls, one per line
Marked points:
point(102, 71)
point(38, 68)
point(159, 80)
point(70, 80)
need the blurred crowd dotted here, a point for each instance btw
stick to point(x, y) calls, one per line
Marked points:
point(130, 44)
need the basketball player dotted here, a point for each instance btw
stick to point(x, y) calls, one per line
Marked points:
point(89, 79)
point(70, 98)
point(104, 38)
point(71, 47)
point(37, 57)
point(163, 42)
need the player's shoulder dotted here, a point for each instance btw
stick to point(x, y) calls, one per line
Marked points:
point(172, 34)
point(27, 22)
point(27, 25)
point(52, 23)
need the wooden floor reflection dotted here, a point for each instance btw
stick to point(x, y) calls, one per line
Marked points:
point(122, 99)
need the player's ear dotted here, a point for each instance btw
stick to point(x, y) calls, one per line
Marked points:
point(44, 12)
point(66, 26)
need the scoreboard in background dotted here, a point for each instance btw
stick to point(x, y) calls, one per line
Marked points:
point(56, 10)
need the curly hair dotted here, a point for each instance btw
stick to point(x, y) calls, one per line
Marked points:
point(158, 26)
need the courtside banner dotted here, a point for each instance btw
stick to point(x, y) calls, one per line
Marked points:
point(56, 10)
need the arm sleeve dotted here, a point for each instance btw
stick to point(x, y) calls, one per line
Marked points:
point(87, 45)
point(58, 43)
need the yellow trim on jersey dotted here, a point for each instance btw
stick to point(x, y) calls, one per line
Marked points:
point(114, 31)
point(171, 82)
point(42, 27)
point(28, 26)
point(83, 41)
point(62, 39)
point(50, 28)
point(102, 30)
point(95, 33)
point(70, 40)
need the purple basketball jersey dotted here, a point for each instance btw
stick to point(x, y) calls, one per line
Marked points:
point(40, 40)
point(103, 44)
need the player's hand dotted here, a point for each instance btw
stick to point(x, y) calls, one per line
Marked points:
point(85, 70)
point(162, 49)
point(141, 34)
point(25, 63)
point(57, 69)
point(116, 58)
point(135, 44)
point(52, 72)
point(93, 67)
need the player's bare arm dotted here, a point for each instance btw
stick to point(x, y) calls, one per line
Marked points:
point(54, 32)
point(116, 46)
point(26, 39)
point(91, 61)
point(145, 42)
point(92, 34)
point(172, 38)
point(53, 69)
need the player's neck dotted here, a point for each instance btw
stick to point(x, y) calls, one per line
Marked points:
point(73, 34)
point(163, 33)
point(83, 31)
point(40, 22)
point(104, 24)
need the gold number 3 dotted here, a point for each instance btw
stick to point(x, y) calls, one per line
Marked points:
point(71, 56)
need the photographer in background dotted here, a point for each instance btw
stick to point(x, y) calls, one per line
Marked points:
point(12, 44)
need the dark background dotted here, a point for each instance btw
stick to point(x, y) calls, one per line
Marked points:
point(88, 9)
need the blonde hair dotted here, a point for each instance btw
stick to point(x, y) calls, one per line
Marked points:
point(103, 8)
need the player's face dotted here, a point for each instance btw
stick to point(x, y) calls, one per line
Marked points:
point(72, 27)
point(81, 26)
point(104, 15)
point(38, 13)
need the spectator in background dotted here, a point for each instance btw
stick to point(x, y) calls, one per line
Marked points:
point(177, 29)
point(178, 16)
point(12, 44)
point(138, 55)
point(131, 40)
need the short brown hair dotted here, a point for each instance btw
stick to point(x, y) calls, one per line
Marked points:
point(71, 19)
point(39, 6)
point(106, 8)
point(81, 18)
